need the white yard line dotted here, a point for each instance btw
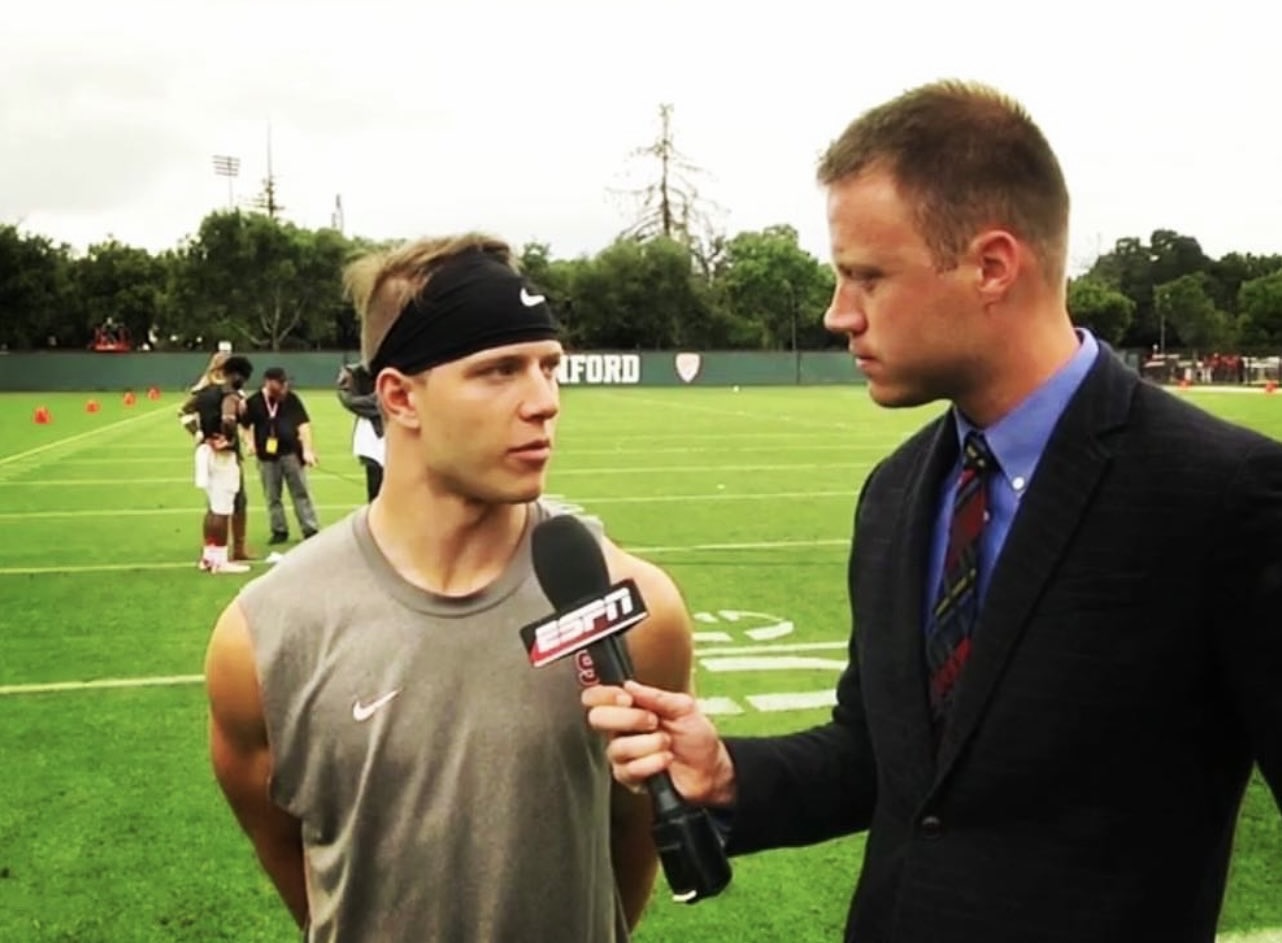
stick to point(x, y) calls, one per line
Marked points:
point(754, 545)
point(191, 564)
point(58, 686)
point(566, 440)
point(790, 647)
point(582, 502)
point(96, 482)
point(171, 680)
point(95, 568)
point(130, 512)
point(568, 473)
point(565, 454)
point(80, 436)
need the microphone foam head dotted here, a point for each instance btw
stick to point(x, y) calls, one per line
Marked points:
point(568, 561)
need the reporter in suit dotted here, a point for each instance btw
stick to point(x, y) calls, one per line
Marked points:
point(1057, 686)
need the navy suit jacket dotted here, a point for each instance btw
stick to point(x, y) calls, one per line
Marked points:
point(1126, 672)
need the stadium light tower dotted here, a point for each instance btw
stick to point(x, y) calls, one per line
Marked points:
point(228, 167)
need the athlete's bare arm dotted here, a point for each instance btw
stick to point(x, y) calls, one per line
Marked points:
point(232, 409)
point(661, 652)
point(242, 759)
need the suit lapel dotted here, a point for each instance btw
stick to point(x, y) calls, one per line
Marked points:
point(908, 682)
point(1065, 480)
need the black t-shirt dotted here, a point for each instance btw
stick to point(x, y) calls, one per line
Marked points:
point(283, 426)
point(208, 404)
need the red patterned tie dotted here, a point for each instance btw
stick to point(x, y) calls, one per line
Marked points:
point(957, 605)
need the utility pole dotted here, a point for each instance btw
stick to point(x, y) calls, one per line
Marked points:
point(336, 217)
point(267, 200)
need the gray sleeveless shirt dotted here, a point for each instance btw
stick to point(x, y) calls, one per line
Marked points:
point(447, 790)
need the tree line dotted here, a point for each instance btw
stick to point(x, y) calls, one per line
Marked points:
point(264, 283)
point(268, 284)
point(1169, 294)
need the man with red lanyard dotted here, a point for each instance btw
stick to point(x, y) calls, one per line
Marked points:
point(281, 439)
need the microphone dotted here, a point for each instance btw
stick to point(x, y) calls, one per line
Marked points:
point(591, 614)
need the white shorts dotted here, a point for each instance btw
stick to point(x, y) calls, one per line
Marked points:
point(222, 482)
point(203, 454)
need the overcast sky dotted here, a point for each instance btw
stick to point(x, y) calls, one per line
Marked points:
point(520, 117)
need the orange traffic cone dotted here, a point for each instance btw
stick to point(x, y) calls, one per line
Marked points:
point(130, 399)
point(1271, 386)
point(91, 406)
point(42, 417)
point(153, 393)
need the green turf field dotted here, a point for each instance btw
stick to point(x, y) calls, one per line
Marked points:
point(111, 826)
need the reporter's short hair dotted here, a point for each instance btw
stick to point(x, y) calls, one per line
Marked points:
point(967, 157)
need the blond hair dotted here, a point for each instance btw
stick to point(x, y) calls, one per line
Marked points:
point(381, 283)
point(967, 157)
point(213, 375)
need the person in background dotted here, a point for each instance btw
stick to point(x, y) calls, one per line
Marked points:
point(218, 465)
point(189, 419)
point(279, 436)
point(356, 394)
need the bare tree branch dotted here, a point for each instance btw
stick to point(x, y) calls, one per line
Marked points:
point(671, 206)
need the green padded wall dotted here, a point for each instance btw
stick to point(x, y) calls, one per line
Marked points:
point(174, 371)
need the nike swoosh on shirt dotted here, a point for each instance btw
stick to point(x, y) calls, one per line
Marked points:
point(531, 300)
point(362, 712)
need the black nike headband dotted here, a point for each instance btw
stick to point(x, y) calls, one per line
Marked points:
point(471, 303)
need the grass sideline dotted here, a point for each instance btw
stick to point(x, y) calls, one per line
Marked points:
point(111, 828)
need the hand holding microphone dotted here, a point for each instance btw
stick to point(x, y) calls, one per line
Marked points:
point(590, 615)
point(653, 731)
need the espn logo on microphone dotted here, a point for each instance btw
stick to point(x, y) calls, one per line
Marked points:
point(590, 621)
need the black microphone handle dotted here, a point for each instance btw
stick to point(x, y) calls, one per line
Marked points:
point(611, 661)
point(690, 851)
point(613, 666)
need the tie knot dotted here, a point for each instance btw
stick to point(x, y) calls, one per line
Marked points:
point(976, 456)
